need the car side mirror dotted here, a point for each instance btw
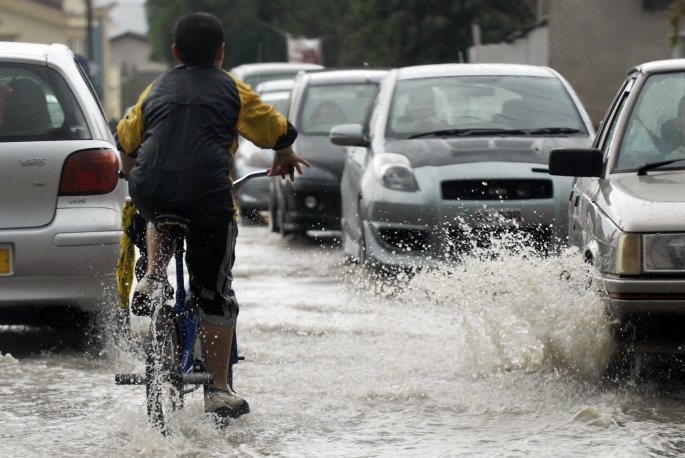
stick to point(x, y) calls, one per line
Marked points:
point(575, 162)
point(348, 135)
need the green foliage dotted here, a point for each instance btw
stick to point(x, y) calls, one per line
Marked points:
point(380, 32)
point(674, 15)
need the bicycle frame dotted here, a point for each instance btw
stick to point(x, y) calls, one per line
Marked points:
point(188, 322)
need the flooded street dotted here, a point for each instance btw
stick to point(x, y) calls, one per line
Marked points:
point(497, 358)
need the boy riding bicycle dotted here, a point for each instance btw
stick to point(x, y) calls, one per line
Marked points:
point(177, 144)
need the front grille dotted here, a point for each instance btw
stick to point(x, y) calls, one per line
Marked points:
point(497, 189)
point(464, 240)
point(406, 239)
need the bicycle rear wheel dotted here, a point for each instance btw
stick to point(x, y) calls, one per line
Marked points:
point(164, 387)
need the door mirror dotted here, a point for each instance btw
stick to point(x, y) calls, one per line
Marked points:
point(575, 162)
point(348, 135)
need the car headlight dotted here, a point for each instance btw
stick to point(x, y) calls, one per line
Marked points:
point(394, 171)
point(664, 252)
point(629, 254)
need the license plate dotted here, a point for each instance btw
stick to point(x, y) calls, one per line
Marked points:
point(498, 216)
point(5, 261)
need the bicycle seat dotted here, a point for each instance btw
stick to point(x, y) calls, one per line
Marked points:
point(170, 222)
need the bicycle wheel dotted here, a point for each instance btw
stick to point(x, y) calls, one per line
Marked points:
point(164, 387)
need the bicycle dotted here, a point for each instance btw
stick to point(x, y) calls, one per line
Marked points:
point(174, 356)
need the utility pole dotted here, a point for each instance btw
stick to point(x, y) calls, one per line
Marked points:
point(89, 29)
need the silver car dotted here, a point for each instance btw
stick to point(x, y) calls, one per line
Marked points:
point(451, 155)
point(254, 197)
point(254, 74)
point(627, 209)
point(60, 222)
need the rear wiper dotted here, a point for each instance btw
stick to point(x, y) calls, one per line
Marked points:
point(470, 132)
point(553, 130)
point(655, 165)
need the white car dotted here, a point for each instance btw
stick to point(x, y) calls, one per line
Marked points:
point(60, 198)
point(627, 208)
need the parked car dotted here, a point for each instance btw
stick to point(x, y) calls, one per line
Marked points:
point(254, 197)
point(61, 199)
point(627, 208)
point(319, 101)
point(254, 74)
point(279, 86)
point(453, 153)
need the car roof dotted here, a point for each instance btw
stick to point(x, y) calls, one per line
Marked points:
point(349, 75)
point(30, 51)
point(430, 71)
point(660, 65)
point(275, 85)
point(272, 67)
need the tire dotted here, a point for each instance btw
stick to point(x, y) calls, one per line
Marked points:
point(163, 386)
point(273, 212)
point(362, 255)
point(280, 217)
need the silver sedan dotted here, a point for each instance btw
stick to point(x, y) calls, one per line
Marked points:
point(627, 210)
point(60, 222)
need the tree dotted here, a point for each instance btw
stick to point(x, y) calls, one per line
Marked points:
point(247, 38)
point(410, 32)
point(380, 32)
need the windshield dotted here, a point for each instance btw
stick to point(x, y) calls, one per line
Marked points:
point(656, 127)
point(328, 106)
point(277, 99)
point(481, 102)
point(37, 105)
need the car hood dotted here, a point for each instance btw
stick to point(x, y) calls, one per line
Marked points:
point(651, 203)
point(320, 152)
point(444, 151)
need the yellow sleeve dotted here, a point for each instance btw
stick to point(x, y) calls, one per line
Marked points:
point(258, 122)
point(131, 129)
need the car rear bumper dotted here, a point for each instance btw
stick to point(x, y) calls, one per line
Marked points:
point(71, 261)
point(90, 293)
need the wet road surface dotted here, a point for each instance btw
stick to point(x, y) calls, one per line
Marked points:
point(497, 358)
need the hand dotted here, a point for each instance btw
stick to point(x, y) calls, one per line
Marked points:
point(285, 162)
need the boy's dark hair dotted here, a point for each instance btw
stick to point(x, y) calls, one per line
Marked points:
point(198, 37)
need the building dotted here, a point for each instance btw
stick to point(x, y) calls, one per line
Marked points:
point(591, 43)
point(64, 21)
point(131, 55)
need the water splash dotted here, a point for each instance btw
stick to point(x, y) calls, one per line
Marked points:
point(512, 307)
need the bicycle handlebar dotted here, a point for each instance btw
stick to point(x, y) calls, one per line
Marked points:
point(240, 182)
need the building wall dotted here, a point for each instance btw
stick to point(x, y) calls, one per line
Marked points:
point(532, 49)
point(592, 43)
point(31, 22)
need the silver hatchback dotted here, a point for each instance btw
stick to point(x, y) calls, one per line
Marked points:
point(60, 199)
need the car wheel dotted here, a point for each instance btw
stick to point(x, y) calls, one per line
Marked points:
point(362, 255)
point(273, 211)
point(280, 217)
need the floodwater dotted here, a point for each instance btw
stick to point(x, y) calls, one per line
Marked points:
point(498, 357)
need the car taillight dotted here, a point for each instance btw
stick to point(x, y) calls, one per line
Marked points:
point(89, 172)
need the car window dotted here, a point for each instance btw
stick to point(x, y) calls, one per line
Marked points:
point(278, 100)
point(490, 102)
point(256, 79)
point(36, 104)
point(371, 110)
point(611, 129)
point(328, 106)
point(656, 127)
